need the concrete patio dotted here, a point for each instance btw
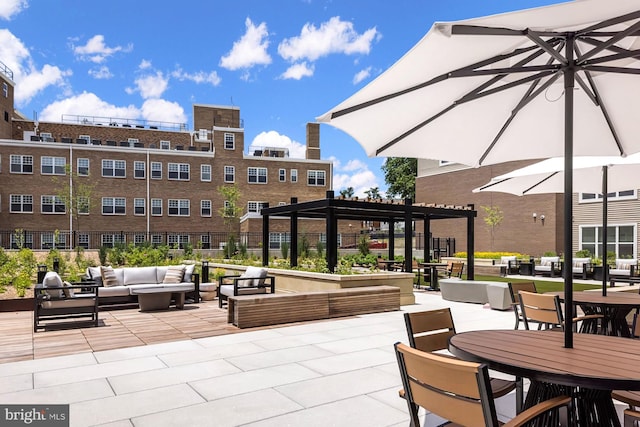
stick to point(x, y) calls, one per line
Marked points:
point(339, 372)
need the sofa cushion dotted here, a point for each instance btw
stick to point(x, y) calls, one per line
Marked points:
point(53, 279)
point(137, 275)
point(94, 274)
point(625, 264)
point(68, 290)
point(114, 291)
point(174, 274)
point(253, 272)
point(109, 277)
point(227, 290)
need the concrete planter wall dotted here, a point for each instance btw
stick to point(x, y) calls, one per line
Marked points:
point(305, 281)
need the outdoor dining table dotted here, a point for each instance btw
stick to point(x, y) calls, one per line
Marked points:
point(388, 263)
point(433, 276)
point(588, 372)
point(615, 307)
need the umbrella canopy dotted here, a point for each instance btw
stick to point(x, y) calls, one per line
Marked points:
point(590, 175)
point(507, 87)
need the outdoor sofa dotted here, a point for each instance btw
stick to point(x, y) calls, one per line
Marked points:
point(624, 268)
point(582, 268)
point(550, 265)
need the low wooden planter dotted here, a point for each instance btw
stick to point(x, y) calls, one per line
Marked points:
point(17, 304)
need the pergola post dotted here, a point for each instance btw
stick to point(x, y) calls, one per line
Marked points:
point(408, 236)
point(470, 247)
point(427, 238)
point(293, 233)
point(332, 234)
point(392, 239)
point(265, 236)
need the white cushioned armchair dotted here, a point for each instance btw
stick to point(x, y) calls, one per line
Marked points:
point(624, 268)
point(253, 281)
point(582, 268)
point(550, 265)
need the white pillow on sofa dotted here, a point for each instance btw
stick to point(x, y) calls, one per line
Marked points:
point(53, 279)
point(253, 272)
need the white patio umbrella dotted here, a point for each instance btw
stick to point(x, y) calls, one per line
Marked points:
point(507, 87)
point(590, 175)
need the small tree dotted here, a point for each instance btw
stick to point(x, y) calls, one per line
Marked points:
point(493, 218)
point(230, 213)
point(347, 192)
point(363, 244)
point(373, 193)
point(76, 193)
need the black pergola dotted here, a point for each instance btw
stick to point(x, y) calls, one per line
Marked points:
point(332, 210)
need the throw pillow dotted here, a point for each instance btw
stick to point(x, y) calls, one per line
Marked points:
point(109, 277)
point(53, 279)
point(174, 274)
point(68, 290)
point(623, 266)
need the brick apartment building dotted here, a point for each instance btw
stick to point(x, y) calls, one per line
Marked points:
point(143, 180)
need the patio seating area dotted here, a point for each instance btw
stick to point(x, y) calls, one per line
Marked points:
point(191, 367)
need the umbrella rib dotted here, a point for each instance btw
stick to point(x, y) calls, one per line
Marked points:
point(534, 37)
point(609, 69)
point(612, 41)
point(491, 184)
point(542, 181)
point(609, 22)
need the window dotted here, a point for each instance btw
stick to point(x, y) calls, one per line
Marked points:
point(46, 136)
point(86, 138)
point(315, 178)
point(83, 205)
point(616, 195)
point(205, 172)
point(83, 167)
point(156, 239)
point(138, 207)
point(111, 240)
point(133, 141)
point(114, 168)
point(229, 174)
point(255, 206)
point(21, 203)
point(21, 164)
point(277, 239)
point(156, 170)
point(294, 175)
point(46, 241)
point(165, 145)
point(156, 207)
point(282, 175)
point(139, 170)
point(257, 175)
point(139, 239)
point(620, 240)
point(113, 206)
point(5, 89)
point(178, 207)
point(205, 241)
point(83, 240)
point(177, 240)
point(205, 207)
point(52, 204)
point(52, 165)
point(179, 171)
point(202, 134)
point(229, 141)
point(22, 240)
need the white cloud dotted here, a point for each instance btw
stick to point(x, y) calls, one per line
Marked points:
point(28, 78)
point(250, 50)
point(354, 173)
point(361, 75)
point(333, 36)
point(144, 64)
point(199, 77)
point(9, 8)
point(163, 111)
point(274, 139)
point(97, 51)
point(100, 73)
point(86, 104)
point(298, 71)
point(150, 86)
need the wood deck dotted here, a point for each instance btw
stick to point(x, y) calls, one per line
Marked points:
point(117, 329)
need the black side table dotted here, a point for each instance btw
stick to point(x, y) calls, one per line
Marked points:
point(526, 269)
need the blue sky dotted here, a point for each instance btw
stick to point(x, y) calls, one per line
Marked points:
point(283, 62)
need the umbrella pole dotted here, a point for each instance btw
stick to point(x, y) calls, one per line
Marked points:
point(569, 82)
point(605, 202)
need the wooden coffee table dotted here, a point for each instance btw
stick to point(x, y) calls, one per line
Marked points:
point(159, 297)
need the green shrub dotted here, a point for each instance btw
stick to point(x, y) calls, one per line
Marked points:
point(284, 249)
point(363, 244)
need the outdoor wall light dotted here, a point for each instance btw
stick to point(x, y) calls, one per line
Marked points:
point(535, 216)
point(542, 219)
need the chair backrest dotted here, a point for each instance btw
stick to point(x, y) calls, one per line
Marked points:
point(454, 389)
point(456, 269)
point(506, 259)
point(542, 308)
point(547, 260)
point(430, 330)
point(381, 264)
point(515, 287)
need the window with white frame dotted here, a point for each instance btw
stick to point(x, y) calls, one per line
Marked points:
point(52, 165)
point(139, 239)
point(132, 141)
point(229, 141)
point(156, 239)
point(83, 240)
point(156, 207)
point(277, 239)
point(138, 206)
point(21, 164)
point(255, 207)
point(316, 178)
point(294, 175)
point(86, 138)
point(52, 205)
point(156, 170)
point(110, 240)
point(205, 241)
point(83, 167)
point(46, 240)
point(205, 208)
point(165, 145)
point(229, 174)
point(139, 169)
point(205, 172)
point(179, 207)
point(114, 168)
point(257, 175)
point(282, 175)
point(114, 206)
point(620, 240)
point(613, 196)
point(46, 136)
point(83, 205)
point(21, 203)
point(202, 134)
point(22, 240)
point(5, 89)
point(177, 240)
point(179, 171)
point(323, 239)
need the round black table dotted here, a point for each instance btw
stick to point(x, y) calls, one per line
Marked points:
point(587, 372)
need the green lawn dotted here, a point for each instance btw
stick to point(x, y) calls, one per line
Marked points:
point(541, 285)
